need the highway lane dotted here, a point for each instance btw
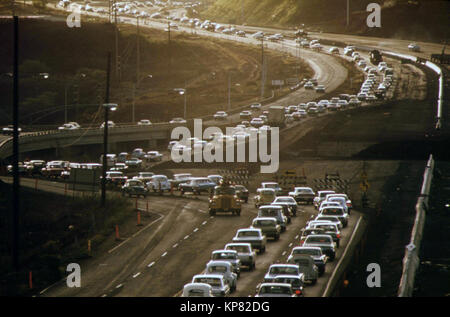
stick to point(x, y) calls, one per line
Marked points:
point(176, 246)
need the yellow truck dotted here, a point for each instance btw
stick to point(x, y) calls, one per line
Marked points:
point(225, 199)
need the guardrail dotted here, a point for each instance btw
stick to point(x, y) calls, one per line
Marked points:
point(411, 259)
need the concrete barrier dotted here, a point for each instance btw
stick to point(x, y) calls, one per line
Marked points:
point(411, 259)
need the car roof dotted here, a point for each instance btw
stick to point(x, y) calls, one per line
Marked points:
point(249, 229)
point(265, 218)
point(219, 276)
point(218, 262)
point(224, 251)
point(284, 265)
point(238, 244)
point(271, 207)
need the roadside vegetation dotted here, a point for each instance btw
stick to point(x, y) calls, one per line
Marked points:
point(430, 17)
point(54, 230)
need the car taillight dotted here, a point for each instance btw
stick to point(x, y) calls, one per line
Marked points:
point(349, 205)
point(339, 236)
point(298, 292)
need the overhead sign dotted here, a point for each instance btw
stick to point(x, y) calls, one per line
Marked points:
point(83, 179)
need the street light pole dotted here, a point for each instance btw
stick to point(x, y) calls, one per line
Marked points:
point(185, 106)
point(105, 133)
point(15, 162)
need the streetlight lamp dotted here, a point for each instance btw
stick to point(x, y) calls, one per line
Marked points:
point(108, 107)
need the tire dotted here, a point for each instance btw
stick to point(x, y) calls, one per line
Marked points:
point(262, 250)
point(233, 288)
point(238, 213)
point(277, 237)
point(246, 201)
point(212, 213)
point(313, 282)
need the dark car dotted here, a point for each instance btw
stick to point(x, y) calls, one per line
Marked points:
point(134, 187)
point(287, 210)
point(242, 192)
point(197, 185)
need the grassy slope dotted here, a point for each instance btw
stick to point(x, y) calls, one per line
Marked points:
point(330, 16)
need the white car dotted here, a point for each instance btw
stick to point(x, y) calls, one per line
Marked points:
point(220, 115)
point(177, 121)
point(144, 122)
point(68, 126)
point(334, 50)
point(414, 47)
point(320, 88)
point(154, 156)
point(159, 183)
point(111, 124)
point(257, 122)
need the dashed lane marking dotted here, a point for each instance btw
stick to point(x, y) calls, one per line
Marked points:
point(164, 254)
point(196, 229)
point(151, 264)
point(186, 237)
point(136, 275)
point(175, 245)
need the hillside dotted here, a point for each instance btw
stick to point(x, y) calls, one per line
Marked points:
point(430, 18)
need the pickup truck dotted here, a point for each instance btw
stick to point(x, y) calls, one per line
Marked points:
point(245, 253)
point(303, 194)
point(268, 225)
point(253, 236)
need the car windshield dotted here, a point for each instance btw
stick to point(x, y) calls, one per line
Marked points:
point(301, 262)
point(327, 227)
point(224, 256)
point(264, 223)
point(224, 191)
point(283, 200)
point(269, 212)
point(115, 174)
point(307, 251)
point(211, 281)
point(283, 270)
point(295, 282)
point(146, 174)
point(271, 186)
point(217, 268)
point(333, 211)
point(248, 234)
point(275, 289)
point(135, 183)
point(239, 248)
point(312, 239)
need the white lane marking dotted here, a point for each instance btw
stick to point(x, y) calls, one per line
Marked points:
point(204, 222)
point(186, 237)
point(211, 217)
point(104, 295)
point(136, 275)
point(202, 211)
point(119, 286)
point(290, 244)
point(134, 235)
point(175, 245)
point(151, 264)
point(164, 254)
point(284, 253)
point(196, 229)
point(296, 237)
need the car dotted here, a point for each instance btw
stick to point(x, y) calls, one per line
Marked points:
point(275, 290)
point(35, 166)
point(230, 256)
point(115, 178)
point(287, 210)
point(159, 183)
point(362, 96)
point(321, 195)
point(134, 187)
point(134, 162)
point(246, 114)
point(177, 121)
point(298, 115)
point(224, 199)
point(68, 126)
point(240, 33)
point(154, 156)
point(335, 211)
point(253, 236)
point(319, 258)
point(197, 290)
point(309, 85)
point(197, 185)
point(144, 176)
point(144, 122)
point(320, 88)
point(245, 252)
point(224, 268)
point(111, 124)
point(334, 50)
point(323, 241)
point(331, 229)
point(273, 185)
point(179, 179)
point(274, 212)
point(342, 103)
point(306, 266)
point(265, 196)
point(312, 111)
point(303, 194)
point(288, 200)
point(257, 122)
point(220, 115)
point(138, 153)
point(354, 102)
point(269, 226)
point(333, 219)
point(218, 283)
point(339, 199)
point(255, 106)
point(242, 192)
point(414, 47)
point(276, 270)
point(215, 179)
point(348, 202)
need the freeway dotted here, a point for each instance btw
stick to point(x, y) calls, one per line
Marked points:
point(177, 244)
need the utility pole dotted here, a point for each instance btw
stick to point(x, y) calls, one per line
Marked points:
point(105, 134)
point(262, 68)
point(170, 52)
point(15, 162)
point(229, 91)
point(348, 12)
point(138, 55)
point(117, 42)
point(133, 105)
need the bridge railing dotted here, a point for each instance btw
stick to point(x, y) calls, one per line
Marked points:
point(411, 259)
